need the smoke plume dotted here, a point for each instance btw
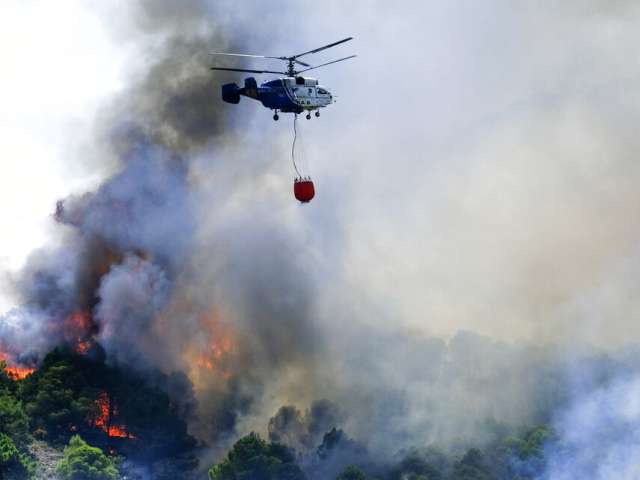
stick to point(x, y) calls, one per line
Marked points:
point(598, 434)
point(469, 268)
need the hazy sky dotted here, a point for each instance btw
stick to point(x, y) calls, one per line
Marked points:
point(478, 172)
point(59, 64)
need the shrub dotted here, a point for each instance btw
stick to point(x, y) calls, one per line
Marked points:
point(84, 462)
point(13, 463)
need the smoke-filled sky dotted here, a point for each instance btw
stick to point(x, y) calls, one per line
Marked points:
point(477, 173)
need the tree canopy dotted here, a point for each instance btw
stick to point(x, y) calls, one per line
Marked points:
point(13, 420)
point(61, 399)
point(472, 466)
point(84, 462)
point(252, 458)
point(67, 398)
point(13, 463)
point(352, 473)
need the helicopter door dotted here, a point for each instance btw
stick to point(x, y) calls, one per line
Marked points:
point(310, 93)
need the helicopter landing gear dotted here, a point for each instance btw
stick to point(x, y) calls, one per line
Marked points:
point(275, 116)
point(317, 113)
point(309, 116)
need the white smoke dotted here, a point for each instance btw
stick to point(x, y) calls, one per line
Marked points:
point(599, 435)
point(491, 187)
point(131, 296)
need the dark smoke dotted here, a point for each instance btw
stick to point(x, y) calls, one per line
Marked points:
point(304, 432)
point(139, 271)
point(184, 266)
point(173, 104)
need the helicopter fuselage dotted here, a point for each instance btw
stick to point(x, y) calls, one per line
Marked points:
point(288, 94)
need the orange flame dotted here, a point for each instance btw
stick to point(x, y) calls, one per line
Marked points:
point(214, 355)
point(104, 421)
point(116, 431)
point(14, 371)
point(83, 347)
point(79, 329)
point(19, 373)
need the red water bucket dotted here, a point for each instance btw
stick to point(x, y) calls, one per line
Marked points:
point(303, 189)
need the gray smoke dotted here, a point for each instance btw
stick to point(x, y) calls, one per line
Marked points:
point(131, 296)
point(145, 207)
point(505, 210)
point(154, 264)
point(50, 292)
point(598, 434)
point(304, 432)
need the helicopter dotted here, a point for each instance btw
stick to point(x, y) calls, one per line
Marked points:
point(290, 94)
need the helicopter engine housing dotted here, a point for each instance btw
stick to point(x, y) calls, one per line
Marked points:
point(231, 93)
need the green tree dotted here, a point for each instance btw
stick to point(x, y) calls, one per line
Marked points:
point(84, 462)
point(420, 465)
point(56, 398)
point(524, 456)
point(251, 458)
point(534, 441)
point(7, 384)
point(13, 420)
point(472, 466)
point(13, 464)
point(352, 473)
point(60, 399)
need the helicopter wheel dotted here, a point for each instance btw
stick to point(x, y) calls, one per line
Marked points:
point(317, 113)
point(275, 117)
point(309, 116)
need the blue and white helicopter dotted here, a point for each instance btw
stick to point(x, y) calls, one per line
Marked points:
point(291, 94)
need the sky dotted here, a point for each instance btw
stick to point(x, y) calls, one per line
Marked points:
point(59, 65)
point(476, 173)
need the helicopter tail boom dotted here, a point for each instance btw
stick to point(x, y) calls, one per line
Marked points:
point(231, 92)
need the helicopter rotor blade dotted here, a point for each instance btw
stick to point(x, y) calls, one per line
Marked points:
point(257, 56)
point(243, 55)
point(246, 70)
point(328, 63)
point(322, 48)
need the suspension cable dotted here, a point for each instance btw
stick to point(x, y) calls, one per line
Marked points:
point(293, 146)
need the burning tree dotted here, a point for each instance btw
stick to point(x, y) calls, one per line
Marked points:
point(12, 369)
point(78, 394)
point(106, 417)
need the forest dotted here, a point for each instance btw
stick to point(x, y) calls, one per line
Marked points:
point(105, 422)
point(458, 302)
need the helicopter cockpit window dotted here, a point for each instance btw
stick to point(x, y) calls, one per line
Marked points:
point(299, 81)
point(322, 91)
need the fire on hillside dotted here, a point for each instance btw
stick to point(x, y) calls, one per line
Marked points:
point(107, 418)
point(14, 369)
